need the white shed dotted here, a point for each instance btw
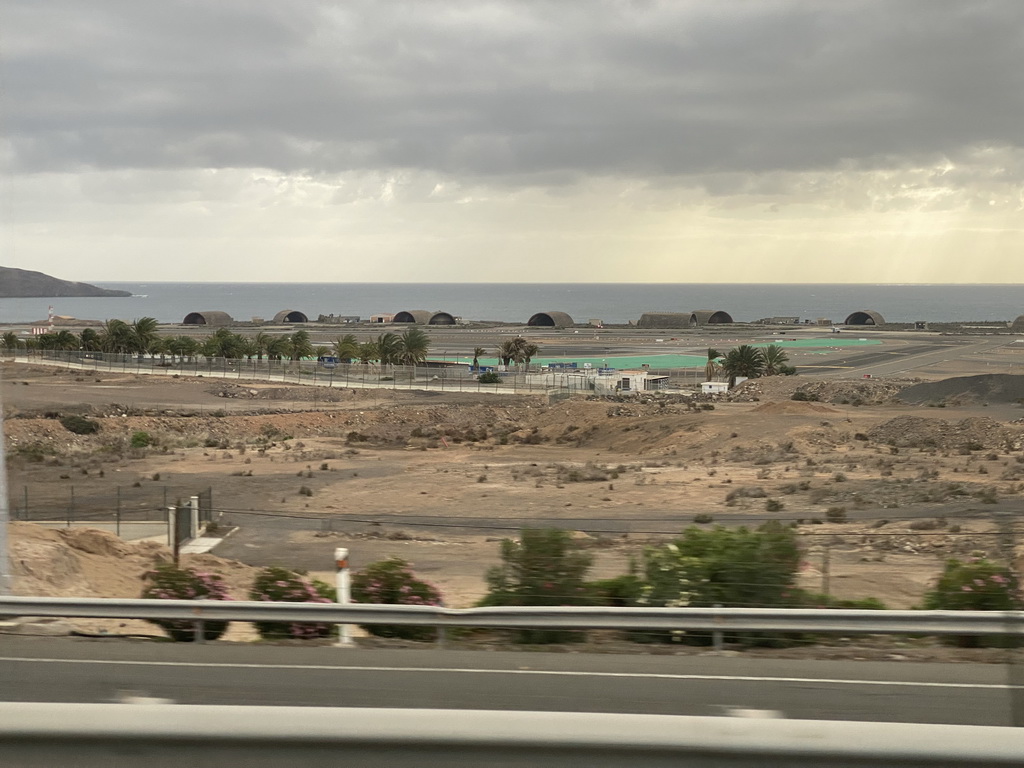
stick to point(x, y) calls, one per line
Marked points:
point(714, 387)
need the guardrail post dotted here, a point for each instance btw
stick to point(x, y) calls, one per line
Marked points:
point(716, 635)
point(344, 589)
point(200, 631)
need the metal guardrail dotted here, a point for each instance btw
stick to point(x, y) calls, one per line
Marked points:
point(559, 617)
point(158, 735)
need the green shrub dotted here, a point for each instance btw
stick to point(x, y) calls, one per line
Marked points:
point(489, 378)
point(773, 505)
point(544, 567)
point(621, 592)
point(169, 582)
point(281, 585)
point(142, 440)
point(703, 518)
point(974, 585)
point(733, 567)
point(391, 582)
point(80, 425)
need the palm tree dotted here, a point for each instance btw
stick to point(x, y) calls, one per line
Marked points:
point(775, 359)
point(144, 332)
point(389, 347)
point(259, 343)
point(368, 352)
point(413, 347)
point(9, 341)
point(528, 352)
point(744, 360)
point(477, 352)
point(301, 345)
point(711, 369)
point(321, 351)
point(279, 347)
point(511, 350)
point(65, 340)
point(346, 348)
point(117, 336)
point(89, 340)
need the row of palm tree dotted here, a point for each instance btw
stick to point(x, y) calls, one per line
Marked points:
point(408, 348)
point(746, 361)
point(517, 350)
point(141, 337)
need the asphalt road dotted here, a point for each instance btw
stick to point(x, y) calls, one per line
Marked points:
point(69, 670)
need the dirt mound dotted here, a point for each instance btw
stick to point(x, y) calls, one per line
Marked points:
point(962, 390)
point(969, 434)
point(85, 562)
point(786, 407)
point(859, 392)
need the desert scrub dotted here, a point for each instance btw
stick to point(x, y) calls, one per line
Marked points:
point(489, 378)
point(392, 582)
point(142, 440)
point(169, 582)
point(280, 585)
point(80, 425)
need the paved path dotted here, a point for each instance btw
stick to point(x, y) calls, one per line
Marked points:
point(66, 670)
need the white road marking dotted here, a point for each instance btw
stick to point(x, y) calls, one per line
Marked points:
point(537, 672)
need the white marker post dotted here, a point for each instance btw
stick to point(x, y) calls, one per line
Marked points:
point(344, 588)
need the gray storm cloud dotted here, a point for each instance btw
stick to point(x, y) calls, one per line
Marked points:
point(509, 91)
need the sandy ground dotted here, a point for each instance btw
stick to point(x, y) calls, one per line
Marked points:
point(440, 479)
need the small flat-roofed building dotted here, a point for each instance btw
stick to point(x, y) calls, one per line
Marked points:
point(640, 381)
point(378, 319)
point(714, 387)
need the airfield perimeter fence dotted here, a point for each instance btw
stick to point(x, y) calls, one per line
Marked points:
point(131, 511)
point(440, 378)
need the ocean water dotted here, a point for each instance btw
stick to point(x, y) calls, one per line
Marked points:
point(610, 302)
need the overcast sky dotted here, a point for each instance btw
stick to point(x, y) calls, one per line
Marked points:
point(476, 141)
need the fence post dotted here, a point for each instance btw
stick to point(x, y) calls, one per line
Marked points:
point(71, 507)
point(117, 517)
point(26, 514)
point(172, 533)
point(194, 510)
point(343, 585)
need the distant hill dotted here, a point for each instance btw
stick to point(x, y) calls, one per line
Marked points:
point(25, 284)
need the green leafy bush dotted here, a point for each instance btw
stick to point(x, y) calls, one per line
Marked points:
point(544, 567)
point(974, 585)
point(281, 585)
point(142, 440)
point(80, 425)
point(392, 582)
point(490, 377)
point(732, 567)
point(169, 582)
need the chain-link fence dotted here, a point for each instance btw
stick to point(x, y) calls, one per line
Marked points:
point(132, 512)
point(437, 377)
